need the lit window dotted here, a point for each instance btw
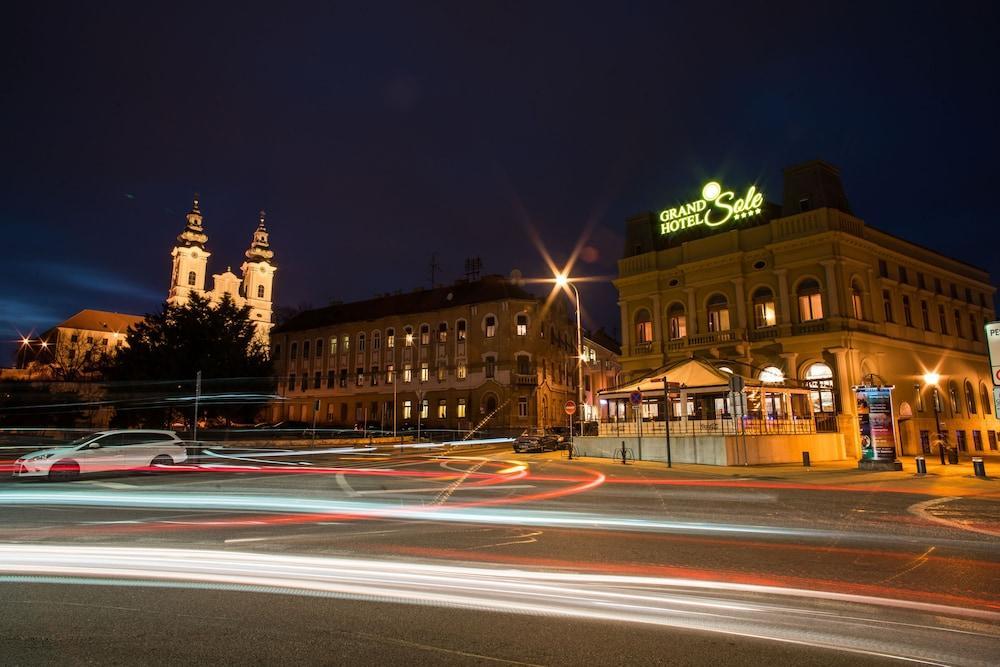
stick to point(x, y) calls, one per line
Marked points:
point(390, 375)
point(346, 343)
point(819, 379)
point(643, 327)
point(443, 409)
point(407, 373)
point(442, 373)
point(810, 301)
point(522, 325)
point(360, 381)
point(424, 408)
point(491, 326)
point(677, 321)
point(907, 316)
point(460, 330)
point(425, 334)
point(772, 375)
point(424, 371)
point(333, 345)
point(461, 371)
point(407, 409)
point(718, 313)
point(408, 340)
point(857, 301)
point(763, 308)
point(390, 338)
point(460, 409)
point(443, 332)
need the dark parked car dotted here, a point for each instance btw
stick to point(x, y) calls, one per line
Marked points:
point(536, 440)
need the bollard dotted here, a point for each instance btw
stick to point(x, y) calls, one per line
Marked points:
point(805, 459)
point(978, 467)
point(624, 460)
point(921, 465)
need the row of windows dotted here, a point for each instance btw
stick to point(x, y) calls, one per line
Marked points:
point(953, 398)
point(371, 413)
point(961, 440)
point(193, 281)
point(921, 283)
point(810, 308)
point(410, 338)
point(375, 375)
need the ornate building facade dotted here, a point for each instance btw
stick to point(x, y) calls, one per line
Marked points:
point(480, 354)
point(254, 289)
point(806, 294)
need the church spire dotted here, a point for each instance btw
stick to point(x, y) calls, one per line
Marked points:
point(260, 248)
point(193, 234)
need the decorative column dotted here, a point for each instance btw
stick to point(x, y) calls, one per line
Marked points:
point(784, 303)
point(658, 334)
point(791, 367)
point(626, 345)
point(692, 313)
point(832, 292)
point(741, 303)
point(847, 418)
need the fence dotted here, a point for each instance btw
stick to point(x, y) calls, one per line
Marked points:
point(717, 426)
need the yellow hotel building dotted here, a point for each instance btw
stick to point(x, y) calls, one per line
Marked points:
point(806, 294)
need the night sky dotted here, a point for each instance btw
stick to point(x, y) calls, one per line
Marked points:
point(375, 135)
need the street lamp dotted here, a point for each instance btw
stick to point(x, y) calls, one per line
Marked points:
point(563, 281)
point(932, 379)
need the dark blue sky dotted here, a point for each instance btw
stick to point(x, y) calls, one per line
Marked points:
point(375, 134)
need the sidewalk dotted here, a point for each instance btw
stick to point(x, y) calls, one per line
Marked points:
point(940, 480)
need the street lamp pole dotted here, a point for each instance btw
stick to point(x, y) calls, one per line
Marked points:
point(932, 379)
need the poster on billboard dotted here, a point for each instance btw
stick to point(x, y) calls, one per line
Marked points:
point(876, 423)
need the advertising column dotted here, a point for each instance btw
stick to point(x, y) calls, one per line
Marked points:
point(876, 426)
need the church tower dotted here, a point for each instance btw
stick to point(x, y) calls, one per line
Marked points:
point(258, 279)
point(190, 259)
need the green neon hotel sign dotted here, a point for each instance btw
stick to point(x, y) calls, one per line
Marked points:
point(715, 208)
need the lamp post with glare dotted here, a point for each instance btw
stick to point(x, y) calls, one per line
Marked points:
point(563, 281)
point(932, 380)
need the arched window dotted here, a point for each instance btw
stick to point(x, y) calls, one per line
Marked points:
point(192, 278)
point(763, 308)
point(390, 338)
point(810, 301)
point(718, 313)
point(970, 398)
point(984, 398)
point(677, 321)
point(425, 334)
point(643, 327)
point(260, 291)
point(443, 332)
point(408, 338)
point(819, 379)
point(376, 340)
point(956, 407)
point(460, 330)
point(857, 300)
point(772, 375)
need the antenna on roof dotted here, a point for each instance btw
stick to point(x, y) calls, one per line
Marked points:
point(473, 265)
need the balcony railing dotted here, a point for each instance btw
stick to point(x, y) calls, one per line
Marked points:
point(525, 378)
point(642, 348)
point(716, 426)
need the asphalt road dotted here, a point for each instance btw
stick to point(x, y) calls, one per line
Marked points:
point(533, 559)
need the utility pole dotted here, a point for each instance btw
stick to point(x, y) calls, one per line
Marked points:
point(197, 395)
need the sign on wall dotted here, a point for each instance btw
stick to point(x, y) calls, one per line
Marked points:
point(715, 208)
point(993, 344)
point(876, 423)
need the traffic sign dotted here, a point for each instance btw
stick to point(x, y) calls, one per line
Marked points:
point(570, 407)
point(993, 343)
point(635, 398)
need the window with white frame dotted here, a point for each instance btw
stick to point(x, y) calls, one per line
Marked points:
point(424, 371)
point(763, 308)
point(407, 409)
point(718, 313)
point(491, 326)
point(522, 325)
point(676, 321)
point(810, 301)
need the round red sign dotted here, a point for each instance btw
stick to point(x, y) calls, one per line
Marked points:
point(570, 407)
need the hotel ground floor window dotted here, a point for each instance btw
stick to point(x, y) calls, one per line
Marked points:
point(407, 409)
point(718, 313)
point(443, 409)
point(460, 409)
point(424, 409)
point(960, 440)
point(819, 379)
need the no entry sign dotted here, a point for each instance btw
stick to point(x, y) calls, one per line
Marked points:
point(570, 407)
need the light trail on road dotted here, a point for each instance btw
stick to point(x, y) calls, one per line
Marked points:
point(865, 625)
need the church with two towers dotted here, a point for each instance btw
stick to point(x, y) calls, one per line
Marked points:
point(190, 272)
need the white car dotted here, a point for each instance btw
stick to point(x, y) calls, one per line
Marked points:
point(106, 451)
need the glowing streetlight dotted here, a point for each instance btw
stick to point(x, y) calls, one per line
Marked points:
point(562, 280)
point(931, 378)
